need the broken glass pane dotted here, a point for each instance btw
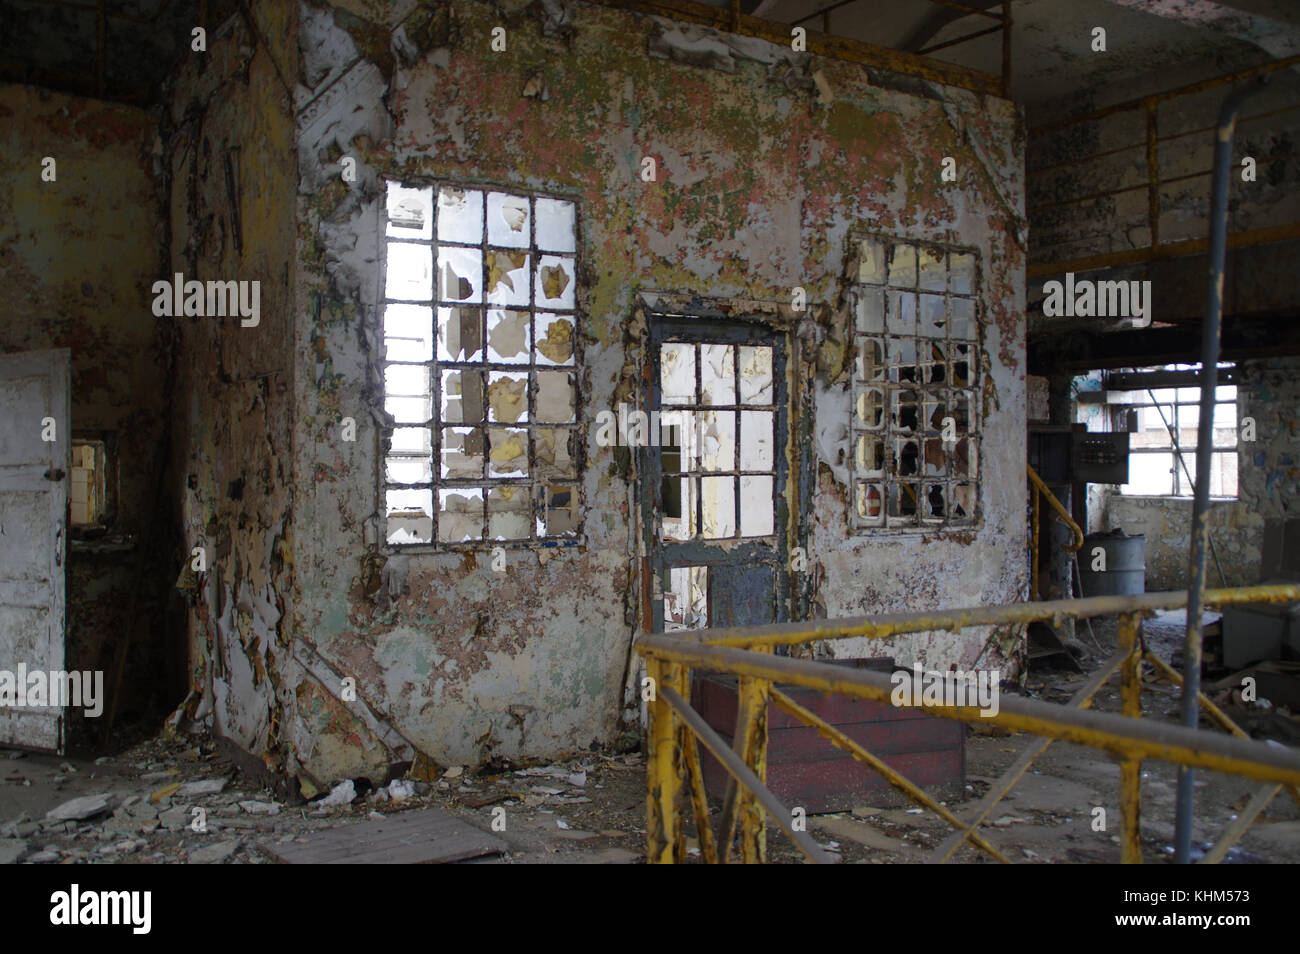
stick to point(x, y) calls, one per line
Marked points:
point(556, 229)
point(871, 311)
point(755, 375)
point(409, 276)
point(408, 332)
point(460, 514)
point(686, 601)
point(902, 266)
point(509, 508)
point(935, 411)
point(871, 404)
point(902, 313)
point(509, 452)
point(718, 499)
point(560, 513)
point(508, 336)
point(961, 274)
point(411, 440)
point(407, 470)
point(554, 287)
point(933, 317)
point(869, 502)
point(717, 374)
point(756, 440)
point(936, 458)
point(905, 462)
point(677, 520)
point(554, 338)
point(902, 501)
point(756, 516)
point(871, 359)
point(935, 503)
point(507, 277)
point(870, 455)
point(462, 397)
point(555, 397)
point(460, 215)
point(963, 502)
point(460, 334)
point(677, 373)
point(462, 452)
point(553, 450)
point(871, 261)
point(507, 219)
point(906, 414)
point(717, 440)
point(410, 516)
point(460, 273)
point(507, 397)
point(931, 273)
point(410, 211)
point(963, 458)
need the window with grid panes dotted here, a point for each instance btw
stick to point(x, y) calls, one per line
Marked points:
point(915, 420)
point(481, 371)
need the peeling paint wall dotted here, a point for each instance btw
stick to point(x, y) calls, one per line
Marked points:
point(765, 166)
point(77, 256)
point(229, 132)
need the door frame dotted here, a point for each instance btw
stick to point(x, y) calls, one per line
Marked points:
point(703, 322)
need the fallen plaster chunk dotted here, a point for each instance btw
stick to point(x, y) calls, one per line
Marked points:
point(204, 786)
point(262, 808)
point(342, 794)
point(79, 809)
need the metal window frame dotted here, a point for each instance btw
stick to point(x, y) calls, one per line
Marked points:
point(972, 391)
point(434, 425)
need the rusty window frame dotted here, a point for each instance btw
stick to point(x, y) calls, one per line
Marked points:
point(882, 367)
point(539, 488)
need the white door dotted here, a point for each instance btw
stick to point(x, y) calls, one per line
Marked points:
point(33, 539)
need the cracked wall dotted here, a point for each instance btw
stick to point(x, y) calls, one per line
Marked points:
point(764, 169)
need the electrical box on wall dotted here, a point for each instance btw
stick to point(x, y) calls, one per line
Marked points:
point(1098, 458)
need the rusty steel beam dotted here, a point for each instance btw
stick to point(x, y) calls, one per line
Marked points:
point(1125, 737)
point(745, 776)
point(885, 625)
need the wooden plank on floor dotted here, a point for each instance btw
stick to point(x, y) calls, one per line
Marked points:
point(425, 837)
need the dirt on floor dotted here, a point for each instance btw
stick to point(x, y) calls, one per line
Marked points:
point(178, 799)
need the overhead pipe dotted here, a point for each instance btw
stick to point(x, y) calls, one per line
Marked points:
point(1204, 447)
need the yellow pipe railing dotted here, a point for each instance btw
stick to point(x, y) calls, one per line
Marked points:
point(1037, 490)
point(673, 764)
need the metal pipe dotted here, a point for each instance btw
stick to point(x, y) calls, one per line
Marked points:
point(1204, 453)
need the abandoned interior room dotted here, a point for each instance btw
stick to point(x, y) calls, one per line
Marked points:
point(653, 431)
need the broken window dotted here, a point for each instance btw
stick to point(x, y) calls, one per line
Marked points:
point(481, 369)
point(914, 427)
point(718, 437)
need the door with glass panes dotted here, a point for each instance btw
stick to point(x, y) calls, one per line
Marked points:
point(714, 473)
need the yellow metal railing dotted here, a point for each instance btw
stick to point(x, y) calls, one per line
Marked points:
point(1038, 490)
point(675, 731)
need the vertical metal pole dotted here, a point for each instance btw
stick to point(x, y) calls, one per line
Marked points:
point(1130, 770)
point(1204, 447)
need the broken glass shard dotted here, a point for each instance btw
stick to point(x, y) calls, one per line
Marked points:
point(460, 215)
point(507, 218)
